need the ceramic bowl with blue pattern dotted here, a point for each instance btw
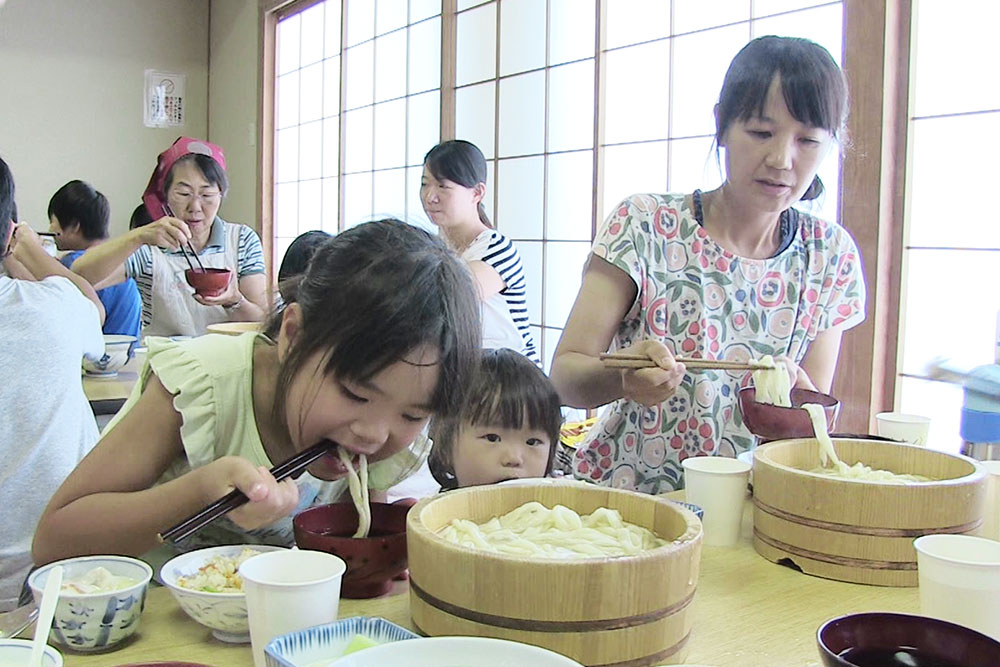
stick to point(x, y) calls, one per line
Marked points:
point(95, 621)
point(225, 614)
point(698, 511)
point(323, 643)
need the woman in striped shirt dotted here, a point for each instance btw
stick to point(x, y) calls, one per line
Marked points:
point(451, 191)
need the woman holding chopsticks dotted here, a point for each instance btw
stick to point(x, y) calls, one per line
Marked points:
point(381, 333)
point(733, 274)
point(183, 199)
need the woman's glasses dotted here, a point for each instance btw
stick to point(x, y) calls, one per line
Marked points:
point(184, 198)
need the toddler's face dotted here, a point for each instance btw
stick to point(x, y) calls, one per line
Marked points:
point(488, 454)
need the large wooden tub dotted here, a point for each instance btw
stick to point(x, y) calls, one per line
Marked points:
point(626, 611)
point(853, 530)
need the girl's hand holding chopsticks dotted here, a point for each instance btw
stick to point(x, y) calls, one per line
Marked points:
point(270, 499)
point(656, 380)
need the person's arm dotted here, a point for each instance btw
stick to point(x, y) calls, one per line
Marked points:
point(103, 265)
point(604, 299)
point(488, 280)
point(111, 503)
point(27, 250)
point(820, 362)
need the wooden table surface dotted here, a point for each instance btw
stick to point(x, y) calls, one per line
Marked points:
point(748, 612)
point(107, 394)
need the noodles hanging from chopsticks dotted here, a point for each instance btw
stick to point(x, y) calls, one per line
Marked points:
point(357, 481)
point(773, 385)
point(830, 464)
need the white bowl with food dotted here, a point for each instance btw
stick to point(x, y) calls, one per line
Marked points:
point(209, 589)
point(116, 354)
point(100, 603)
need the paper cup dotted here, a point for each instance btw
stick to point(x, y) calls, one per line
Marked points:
point(718, 485)
point(991, 518)
point(287, 591)
point(903, 427)
point(960, 580)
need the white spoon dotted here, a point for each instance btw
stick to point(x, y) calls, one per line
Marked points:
point(50, 595)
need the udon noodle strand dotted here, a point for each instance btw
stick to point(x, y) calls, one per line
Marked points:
point(830, 464)
point(535, 531)
point(358, 484)
point(772, 385)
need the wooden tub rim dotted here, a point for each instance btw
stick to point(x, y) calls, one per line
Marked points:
point(685, 541)
point(978, 472)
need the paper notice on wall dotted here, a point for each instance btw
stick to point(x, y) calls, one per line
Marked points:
point(165, 99)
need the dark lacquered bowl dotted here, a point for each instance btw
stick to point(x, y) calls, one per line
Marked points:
point(772, 422)
point(208, 282)
point(372, 562)
point(901, 640)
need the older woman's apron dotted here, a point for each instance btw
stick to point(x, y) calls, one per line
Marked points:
point(174, 310)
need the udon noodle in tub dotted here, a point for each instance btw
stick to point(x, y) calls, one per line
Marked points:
point(533, 530)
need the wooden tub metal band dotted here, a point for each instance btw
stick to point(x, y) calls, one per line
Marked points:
point(548, 626)
point(644, 661)
point(845, 561)
point(865, 530)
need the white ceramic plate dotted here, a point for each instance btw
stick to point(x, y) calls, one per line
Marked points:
point(455, 652)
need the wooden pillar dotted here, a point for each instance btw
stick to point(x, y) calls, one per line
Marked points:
point(876, 62)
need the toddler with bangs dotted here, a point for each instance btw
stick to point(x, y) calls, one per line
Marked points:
point(508, 427)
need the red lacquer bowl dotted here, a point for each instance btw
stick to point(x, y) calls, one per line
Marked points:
point(372, 562)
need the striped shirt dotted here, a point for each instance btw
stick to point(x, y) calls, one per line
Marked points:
point(250, 258)
point(497, 251)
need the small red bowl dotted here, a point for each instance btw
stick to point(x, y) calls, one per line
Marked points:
point(877, 638)
point(772, 422)
point(208, 282)
point(372, 562)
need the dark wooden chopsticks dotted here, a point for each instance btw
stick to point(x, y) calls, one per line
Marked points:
point(201, 267)
point(234, 499)
point(624, 360)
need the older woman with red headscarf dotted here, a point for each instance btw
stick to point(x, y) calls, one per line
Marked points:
point(183, 199)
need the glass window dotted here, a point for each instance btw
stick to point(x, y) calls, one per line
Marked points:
point(948, 305)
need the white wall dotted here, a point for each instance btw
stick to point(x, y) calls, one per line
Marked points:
point(71, 85)
point(233, 101)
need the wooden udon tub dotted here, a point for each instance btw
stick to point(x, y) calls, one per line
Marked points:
point(626, 611)
point(858, 531)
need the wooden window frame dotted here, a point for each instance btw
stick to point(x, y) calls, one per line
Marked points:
point(876, 61)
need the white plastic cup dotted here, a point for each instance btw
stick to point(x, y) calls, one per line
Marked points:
point(287, 591)
point(991, 517)
point(960, 580)
point(903, 427)
point(718, 485)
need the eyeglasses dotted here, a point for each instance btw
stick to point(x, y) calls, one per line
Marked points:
point(185, 197)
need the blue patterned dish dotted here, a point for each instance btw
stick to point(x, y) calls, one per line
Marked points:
point(698, 511)
point(327, 642)
point(95, 621)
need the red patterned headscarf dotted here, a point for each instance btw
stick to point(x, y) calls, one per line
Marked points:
point(154, 197)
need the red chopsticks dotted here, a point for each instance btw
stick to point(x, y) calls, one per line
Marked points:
point(234, 499)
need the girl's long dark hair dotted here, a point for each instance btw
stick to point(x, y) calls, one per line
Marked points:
point(374, 293)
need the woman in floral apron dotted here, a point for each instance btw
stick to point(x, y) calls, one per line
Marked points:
point(734, 274)
point(183, 199)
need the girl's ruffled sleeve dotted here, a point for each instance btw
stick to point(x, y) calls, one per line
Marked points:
point(181, 374)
